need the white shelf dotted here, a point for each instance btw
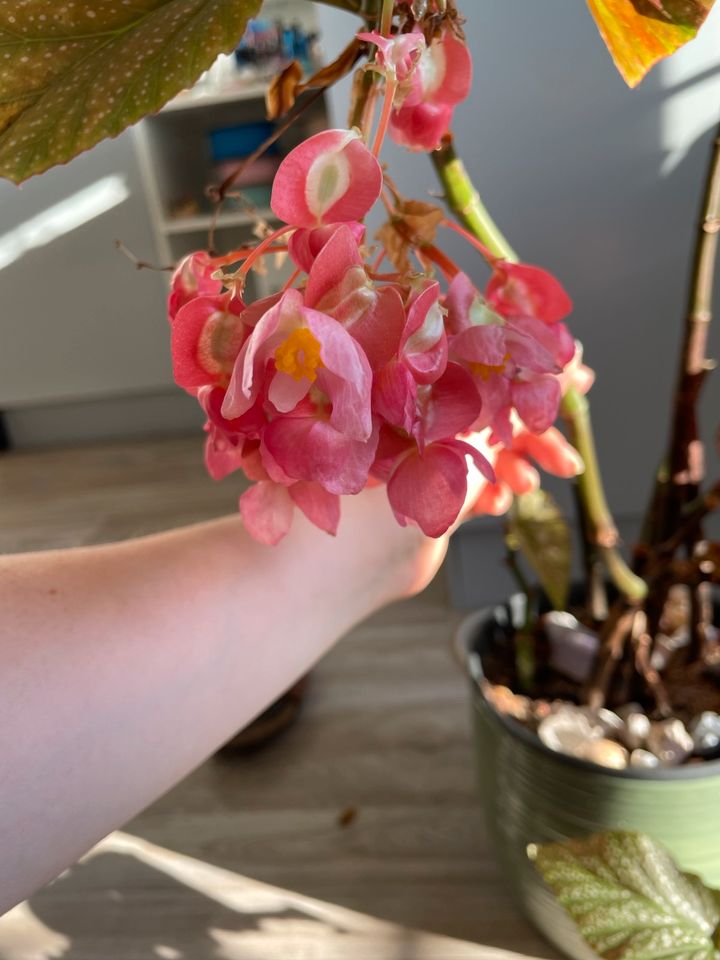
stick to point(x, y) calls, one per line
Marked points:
point(204, 221)
point(196, 98)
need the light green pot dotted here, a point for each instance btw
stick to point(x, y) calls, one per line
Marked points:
point(533, 795)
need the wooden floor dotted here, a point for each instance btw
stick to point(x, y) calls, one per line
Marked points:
point(246, 859)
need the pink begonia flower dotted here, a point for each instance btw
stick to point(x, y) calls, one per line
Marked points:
point(397, 56)
point(424, 346)
point(428, 413)
point(310, 448)
point(267, 509)
point(207, 334)
point(430, 487)
point(515, 475)
point(518, 290)
point(515, 362)
point(192, 278)
point(305, 244)
point(294, 348)
point(330, 178)
point(440, 81)
point(577, 374)
point(338, 285)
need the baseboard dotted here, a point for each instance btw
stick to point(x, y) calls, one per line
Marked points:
point(165, 413)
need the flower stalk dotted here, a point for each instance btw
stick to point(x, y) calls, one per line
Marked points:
point(464, 200)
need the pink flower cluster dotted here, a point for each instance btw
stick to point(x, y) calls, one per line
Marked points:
point(353, 378)
point(429, 81)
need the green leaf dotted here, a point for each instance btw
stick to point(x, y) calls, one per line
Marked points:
point(72, 74)
point(629, 899)
point(639, 33)
point(537, 527)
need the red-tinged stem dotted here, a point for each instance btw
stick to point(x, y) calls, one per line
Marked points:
point(390, 90)
point(441, 260)
point(291, 280)
point(379, 259)
point(473, 241)
point(260, 250)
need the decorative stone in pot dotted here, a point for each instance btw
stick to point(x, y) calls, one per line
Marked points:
point(534, 794)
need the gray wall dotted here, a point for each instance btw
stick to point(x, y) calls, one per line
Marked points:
point(81, 328)
point(599, 184)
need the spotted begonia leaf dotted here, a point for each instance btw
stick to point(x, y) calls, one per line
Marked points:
point(73, 73)
point(639, 33)
point(537, 527)
point(629, 899)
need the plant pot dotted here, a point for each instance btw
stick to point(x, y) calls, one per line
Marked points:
point(272, 723)
point(532, 794)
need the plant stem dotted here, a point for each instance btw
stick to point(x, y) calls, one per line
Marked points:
point(679, 481)
point(388, 9)
point(464, 200)
point(600, 525)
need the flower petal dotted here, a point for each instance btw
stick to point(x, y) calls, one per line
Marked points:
point(516, 472)
point(394, 396)
point(305, 244)
point(309, 449)
point(267, 511)
point(424, 343)
point(332, 263)
point(551, 451)
point(332, 177)
point(421, 127)
point(522, 290)
point(452, 405)
point(537, 402)
point(429, 488)
point(206, 337)
point(345, 376)
point(319, 506)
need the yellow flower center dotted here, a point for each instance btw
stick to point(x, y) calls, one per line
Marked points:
point(299, 355)
point(486, 370)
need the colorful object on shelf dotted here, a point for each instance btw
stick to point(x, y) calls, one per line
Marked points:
point(232, 143)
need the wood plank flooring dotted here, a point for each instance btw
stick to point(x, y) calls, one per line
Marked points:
point(246, 859)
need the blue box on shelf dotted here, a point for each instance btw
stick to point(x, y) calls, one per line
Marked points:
point(230, 143)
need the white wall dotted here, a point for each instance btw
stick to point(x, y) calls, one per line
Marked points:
point(598, 183)
point(80, 327)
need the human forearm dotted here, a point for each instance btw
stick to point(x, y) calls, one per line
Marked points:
point(122, 667)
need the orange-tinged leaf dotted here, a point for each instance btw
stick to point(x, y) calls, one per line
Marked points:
point(640, 33)
point(72, 74)
point(283, 90)
point(287, 86)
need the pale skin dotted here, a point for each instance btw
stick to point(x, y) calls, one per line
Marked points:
point(122, 667)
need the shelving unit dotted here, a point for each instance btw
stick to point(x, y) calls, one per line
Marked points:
point(174, 152)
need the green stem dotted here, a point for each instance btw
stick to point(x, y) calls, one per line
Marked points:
point(464, 200)
point(386, 17)
point(600, 525)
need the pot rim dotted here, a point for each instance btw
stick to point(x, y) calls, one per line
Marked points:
point(466, 642)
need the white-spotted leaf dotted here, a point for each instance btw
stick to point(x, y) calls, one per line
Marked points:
point(537, 527)
point(73, 73)
point(629, 899)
